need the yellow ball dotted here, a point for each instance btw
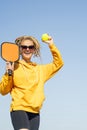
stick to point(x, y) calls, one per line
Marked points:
point(45, 37)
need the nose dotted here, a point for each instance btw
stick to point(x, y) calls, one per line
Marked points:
point(27, 48)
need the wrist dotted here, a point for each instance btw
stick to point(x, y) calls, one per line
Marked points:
point(49, 44)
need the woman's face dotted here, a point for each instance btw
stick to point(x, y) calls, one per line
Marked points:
point(27, 49)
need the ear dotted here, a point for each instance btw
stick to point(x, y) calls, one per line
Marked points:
point(20, 51)
point(34, 51)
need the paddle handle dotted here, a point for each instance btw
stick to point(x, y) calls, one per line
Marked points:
point(10, 72)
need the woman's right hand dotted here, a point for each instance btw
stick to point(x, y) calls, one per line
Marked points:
point(9, 66)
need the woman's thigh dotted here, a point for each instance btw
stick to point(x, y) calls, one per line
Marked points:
point(34, 121)
point(20, 120)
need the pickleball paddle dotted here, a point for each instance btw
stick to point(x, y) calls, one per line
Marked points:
point(10, 53)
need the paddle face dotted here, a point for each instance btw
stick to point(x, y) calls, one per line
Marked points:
point(9, 51)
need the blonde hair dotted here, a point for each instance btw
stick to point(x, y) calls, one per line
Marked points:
point(33, 39)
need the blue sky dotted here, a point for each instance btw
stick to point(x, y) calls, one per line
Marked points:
point(65, 107)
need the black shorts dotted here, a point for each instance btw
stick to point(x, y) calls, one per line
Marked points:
point(21, 119)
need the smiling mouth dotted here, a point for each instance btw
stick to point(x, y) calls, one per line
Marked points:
point(27, 53)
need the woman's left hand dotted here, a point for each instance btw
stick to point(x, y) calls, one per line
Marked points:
point(49, 41)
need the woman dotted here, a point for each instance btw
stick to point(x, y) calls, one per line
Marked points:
point(26, 85)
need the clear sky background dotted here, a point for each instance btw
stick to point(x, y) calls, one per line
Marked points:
point(65, 107)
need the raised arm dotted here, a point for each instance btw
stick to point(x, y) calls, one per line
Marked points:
point(50, 69)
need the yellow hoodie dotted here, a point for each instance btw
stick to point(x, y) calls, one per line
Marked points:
point(27, 84)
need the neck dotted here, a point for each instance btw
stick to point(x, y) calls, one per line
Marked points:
point(26, 60)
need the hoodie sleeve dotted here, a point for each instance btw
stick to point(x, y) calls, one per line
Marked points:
point(50, 69)
point(6, 84)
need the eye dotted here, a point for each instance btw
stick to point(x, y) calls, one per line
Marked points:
point(29, 47)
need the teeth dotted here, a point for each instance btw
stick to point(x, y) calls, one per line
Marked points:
point(27, 53)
